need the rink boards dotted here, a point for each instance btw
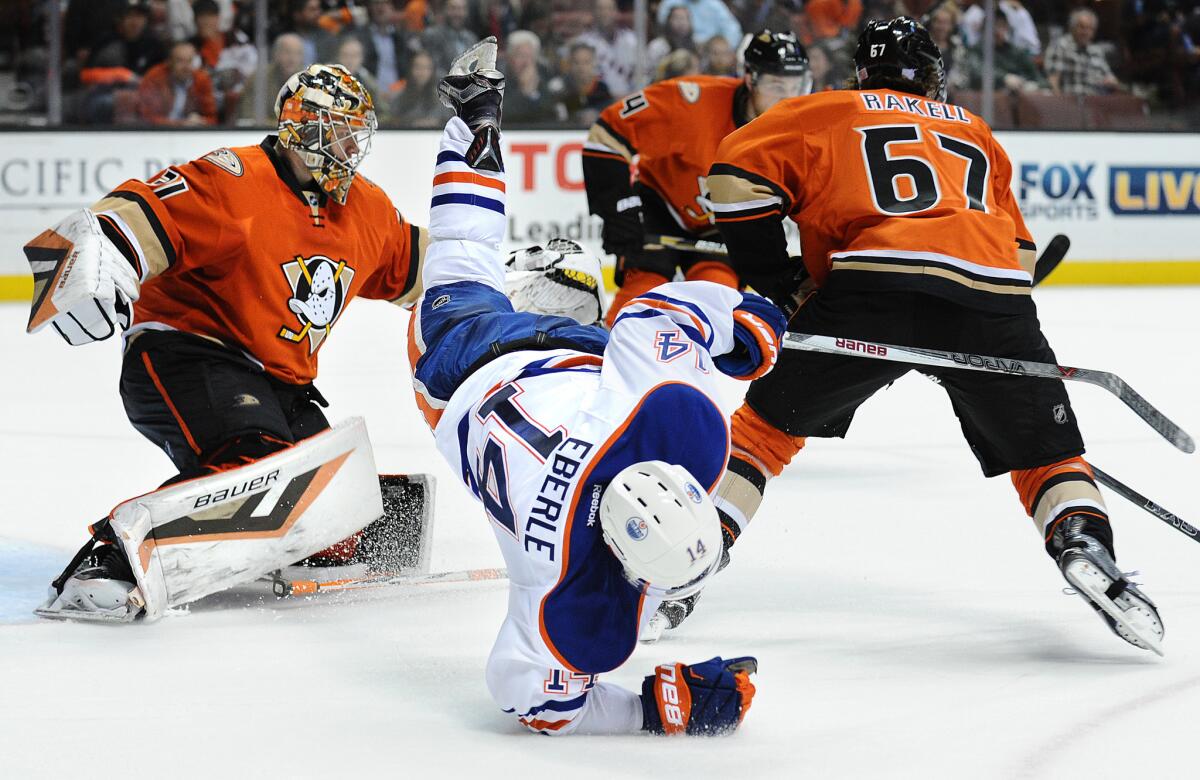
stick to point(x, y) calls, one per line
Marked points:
point(1130, 202)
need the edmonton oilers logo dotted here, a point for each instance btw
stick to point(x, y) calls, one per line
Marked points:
point(636, 528)
point(693, 492)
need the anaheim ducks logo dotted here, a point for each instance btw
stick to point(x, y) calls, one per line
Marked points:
point(319, 293)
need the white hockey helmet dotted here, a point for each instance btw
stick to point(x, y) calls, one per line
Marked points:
point(663, 527)
point(560, 279)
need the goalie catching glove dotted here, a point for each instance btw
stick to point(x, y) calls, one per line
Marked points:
point(707, 698)
point(560, 279)
point(82, 284)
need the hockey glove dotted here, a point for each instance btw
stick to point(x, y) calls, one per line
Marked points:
point(623, 233)
point(757, 328)
point(706, 698)
point(83, 285)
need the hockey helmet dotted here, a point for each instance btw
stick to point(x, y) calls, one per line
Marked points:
point(560, 279)
point(894, 52)
point(663, 528)
point(777, 54)
point(327, 116)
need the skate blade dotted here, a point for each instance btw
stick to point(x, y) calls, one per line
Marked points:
point(654, 629)
point(84, 616)
point(1136, 623)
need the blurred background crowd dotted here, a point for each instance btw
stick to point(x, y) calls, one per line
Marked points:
point(1119, 64)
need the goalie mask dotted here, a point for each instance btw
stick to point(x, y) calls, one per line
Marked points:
point(328, 118)
point(560, 279)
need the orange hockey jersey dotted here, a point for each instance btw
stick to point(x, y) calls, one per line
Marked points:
point(231, 248)
point(673, 127)
point(889, 190)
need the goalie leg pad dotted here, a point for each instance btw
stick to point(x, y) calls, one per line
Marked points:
point(196, 538)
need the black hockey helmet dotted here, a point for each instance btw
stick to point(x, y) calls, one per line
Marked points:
point(779, 54)
point(897, 51)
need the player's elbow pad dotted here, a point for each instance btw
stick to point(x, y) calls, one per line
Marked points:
point(757, 329)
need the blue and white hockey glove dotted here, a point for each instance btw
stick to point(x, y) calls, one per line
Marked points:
point(757, 327)
point(705, 698)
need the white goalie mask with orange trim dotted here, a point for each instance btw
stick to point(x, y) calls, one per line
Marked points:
point(327, 117)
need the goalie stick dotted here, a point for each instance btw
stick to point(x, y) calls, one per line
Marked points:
point(970, 362)
point(283, 586)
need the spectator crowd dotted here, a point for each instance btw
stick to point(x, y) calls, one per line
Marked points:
point(194, 62)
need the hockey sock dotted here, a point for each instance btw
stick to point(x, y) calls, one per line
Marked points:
point(758, 452)
point(635, 283)
point(1052, 493)
point(712, 271)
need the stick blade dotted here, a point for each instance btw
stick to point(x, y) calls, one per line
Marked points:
point(1052, 255)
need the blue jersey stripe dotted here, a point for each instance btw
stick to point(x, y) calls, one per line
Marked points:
point(469, 200)
point(570, 705)
point(449, 156)
point(688, 330)
point(692, 307)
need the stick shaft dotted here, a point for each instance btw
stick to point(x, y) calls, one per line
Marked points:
point(970, 362)
point(1128, 493)
point(654, 242)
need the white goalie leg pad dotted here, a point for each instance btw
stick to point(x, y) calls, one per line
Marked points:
point(196, 538)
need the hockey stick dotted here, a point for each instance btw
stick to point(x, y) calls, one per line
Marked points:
point(1128, 493)
point(656, 242)
point(284, 588)
point(1052, 255)
point(965, 360)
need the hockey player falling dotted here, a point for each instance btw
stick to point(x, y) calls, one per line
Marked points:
point(571, 438)
point(673, 128)
point(911, 231)
point(227, 274)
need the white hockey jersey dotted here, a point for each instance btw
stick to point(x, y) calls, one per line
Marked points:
point(537, 434)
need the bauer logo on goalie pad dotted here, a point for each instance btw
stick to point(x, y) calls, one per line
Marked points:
point(320, 289)
point(249, 486)
point(232, 520)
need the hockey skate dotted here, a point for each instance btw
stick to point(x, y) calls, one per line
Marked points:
point(474, 90)
point(100, 587)
point(1091, 571)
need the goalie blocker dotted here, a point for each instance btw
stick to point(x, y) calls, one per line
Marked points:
point(205, 535)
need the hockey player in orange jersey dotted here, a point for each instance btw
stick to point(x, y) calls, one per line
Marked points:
point(226, 275)
point(911, 236)
point(672, 129)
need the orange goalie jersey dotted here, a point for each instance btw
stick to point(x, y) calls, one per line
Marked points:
point(231, 248)
point(673, 128)
point(889, 190)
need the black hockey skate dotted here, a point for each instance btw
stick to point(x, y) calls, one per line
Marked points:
point(474, 90)
point(98, 584)
point(1087, 563)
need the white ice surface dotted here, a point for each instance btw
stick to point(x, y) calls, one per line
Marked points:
point(906, 619)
